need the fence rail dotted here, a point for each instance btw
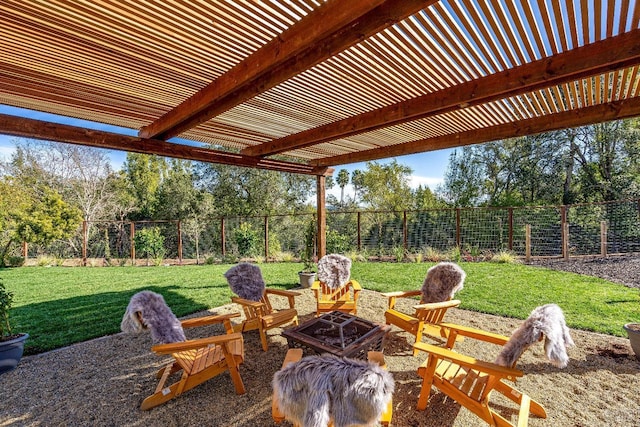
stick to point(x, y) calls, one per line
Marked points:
point(534, 231)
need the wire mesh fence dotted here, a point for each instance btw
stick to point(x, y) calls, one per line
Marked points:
point(539, 231)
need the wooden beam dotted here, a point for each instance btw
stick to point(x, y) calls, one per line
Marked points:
point(321, 209)
point(567, 119)
point(37, 129)
point(330, 29)
point(603, 56)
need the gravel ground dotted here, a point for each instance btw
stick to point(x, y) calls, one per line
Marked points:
point(102, 382)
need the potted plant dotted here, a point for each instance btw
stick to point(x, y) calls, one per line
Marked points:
point(633, 330)
point(11, 345)
point(308, 275)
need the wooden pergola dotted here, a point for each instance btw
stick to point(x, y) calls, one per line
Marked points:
point(304, 85)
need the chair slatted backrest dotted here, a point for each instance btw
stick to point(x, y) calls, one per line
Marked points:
point(434, 316)
point(340, 294)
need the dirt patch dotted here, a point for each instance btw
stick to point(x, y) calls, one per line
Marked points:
point(623, 269)
point(103, 381)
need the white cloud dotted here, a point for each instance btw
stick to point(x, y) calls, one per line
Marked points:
point(431, 182)
point(335, 191)
point(6, 152)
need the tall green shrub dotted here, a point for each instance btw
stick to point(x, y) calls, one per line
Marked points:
point(150, 242)
point(247, 239)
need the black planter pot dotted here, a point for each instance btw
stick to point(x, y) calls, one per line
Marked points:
point(633, 329)
point(11, 352)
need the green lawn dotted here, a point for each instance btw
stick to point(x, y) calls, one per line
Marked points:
point(58, 306)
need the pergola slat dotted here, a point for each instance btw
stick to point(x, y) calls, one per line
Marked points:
point(316, 80)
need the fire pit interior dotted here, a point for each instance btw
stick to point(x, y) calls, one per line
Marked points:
point(338, 333)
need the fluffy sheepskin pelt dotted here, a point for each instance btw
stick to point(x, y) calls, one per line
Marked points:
point(334, 270)
point(316, 389)
point(545, 321)
point(147, 310)
point(442, 282)
point(245, 280)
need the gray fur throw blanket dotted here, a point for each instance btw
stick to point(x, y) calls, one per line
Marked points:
point(442, 282)
point(316, 389)
point(545, 321)
point(147, 310)
point(245, 280)
point(334, 270)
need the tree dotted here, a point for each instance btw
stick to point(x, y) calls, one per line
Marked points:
point(463, 179)
point(607, 157)
point(177, 195)
point(14, 199)
point(145, 174)
point(587, 164)
point(342, 180)
point(386, 186)
point(82, 175)
point(48, 219)
point(357, 182)
point(423, 198)
point(244, 191)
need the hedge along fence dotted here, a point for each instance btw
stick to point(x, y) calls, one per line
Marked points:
point(539, 231)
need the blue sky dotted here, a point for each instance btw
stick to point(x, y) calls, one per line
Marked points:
point(428, 168)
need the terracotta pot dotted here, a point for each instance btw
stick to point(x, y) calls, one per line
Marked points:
point(633, 330)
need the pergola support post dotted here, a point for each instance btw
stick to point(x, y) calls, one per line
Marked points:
point(322, 216)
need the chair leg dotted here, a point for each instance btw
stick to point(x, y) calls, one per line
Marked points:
point(263, 338)
point(427, 381)
point(160, 397)
point(517, 397)
point(293, 355)
point(418, 333)
point(237, 380)
point(387, 414)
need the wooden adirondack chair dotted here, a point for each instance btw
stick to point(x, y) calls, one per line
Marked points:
point(442, 281)
point(426, 320)
point(470, 381)
point(295, 354)
point(253, 296)
point(262, 316)
point(199, 360)
point(334, 290)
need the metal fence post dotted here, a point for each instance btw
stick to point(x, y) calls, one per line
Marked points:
point(510, 229)
point(132, 242)
point(222, 237)
point(564, 232)
point(266, 238)
point(405, 242)
point(527, 242)
point(359, 236)
point(458, 227)
point(179, 224)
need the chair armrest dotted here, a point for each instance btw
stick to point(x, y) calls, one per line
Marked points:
point(468, 362)
point(315, 285)
point(194, 344)
point(207, 320)
point(402, 294)
point(356, 286)
point(477, 334)
point(249, 303)
point(283, 292)
point(437, 305)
